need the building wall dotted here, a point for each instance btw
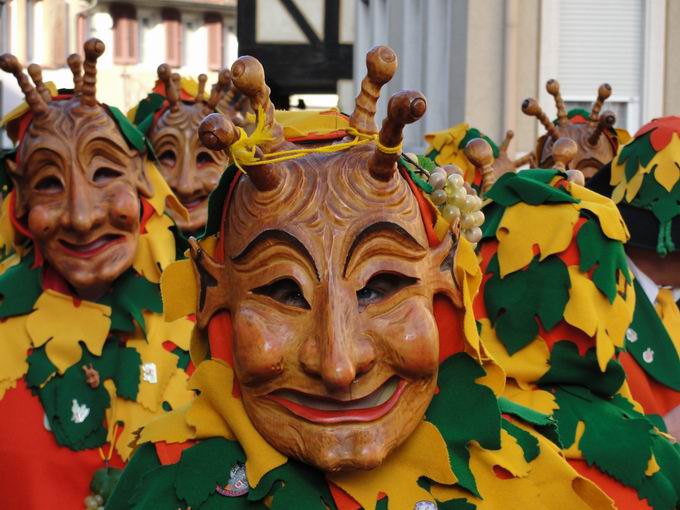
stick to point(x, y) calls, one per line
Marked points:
point(671, 105)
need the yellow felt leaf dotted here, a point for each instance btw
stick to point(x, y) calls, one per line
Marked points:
point(590, 311)
point(206, 421)
point(14, 346)
point(128, 413)
point(424, 454)
point(667, 172)
point(178, 331)
point(446, 143)
point(605, 209)
point(533, 398)
point(510, 456)
point(635, 184)
point(215, 381)
point(176, 392)
point(623, 136)
point(303, 123)
point(169, 427)
point(163, 195)
point(468, 275)
point(652, 466)
point(494, 378)
point(574, 452)
point(59, 323)
point(624, 390)
point(619, 192)
point(618, 172)
point(6, 228)
point(525, 366)
point(178, 289)
point(208, 244)
point(551, 229)
point(155, 248)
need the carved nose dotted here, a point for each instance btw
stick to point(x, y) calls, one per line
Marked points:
point(83, 209)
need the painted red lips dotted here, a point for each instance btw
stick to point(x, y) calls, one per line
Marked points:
point(92, 248)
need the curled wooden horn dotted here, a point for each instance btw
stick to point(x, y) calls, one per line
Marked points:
point(603, 93)
point(563, 151)
point(480, 154)
point(509, 135)
point(381, 64)
point(10, 64)
point(35, 72)
point(247, 74)
point(219, 89)
point(218, 133)
point(202, 79)
point(532, 108)
point(607, 121)
point(403, 108)
point(171, 93)
point(75, 63)
point(553, 88)
point(94, 48)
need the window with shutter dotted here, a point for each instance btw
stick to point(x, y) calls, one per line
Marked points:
point(173, 36)
point(213, 23)
point(125, 34)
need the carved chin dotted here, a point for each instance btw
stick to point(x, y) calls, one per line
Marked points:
point(198, 217)
point(341, 446)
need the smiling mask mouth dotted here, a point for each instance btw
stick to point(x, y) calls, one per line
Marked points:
point(85, 250)
point(327, 410)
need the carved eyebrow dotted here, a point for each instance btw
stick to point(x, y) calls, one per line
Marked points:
point(113, 155)
point(281, 236)
point(376, 227)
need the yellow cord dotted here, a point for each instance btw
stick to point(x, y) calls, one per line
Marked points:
point(243, 151)
point(107, 458)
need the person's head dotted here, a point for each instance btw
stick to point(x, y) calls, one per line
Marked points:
point(191, 170)
point(77, 181)
point(327, 273)
point(644, 181)
point(593, 132)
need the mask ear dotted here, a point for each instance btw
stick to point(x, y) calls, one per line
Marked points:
point(20, 208)
point(211, 282)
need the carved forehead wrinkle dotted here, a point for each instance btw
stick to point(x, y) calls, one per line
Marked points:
point(69, 121)
point(346, 198)
point(189, 116)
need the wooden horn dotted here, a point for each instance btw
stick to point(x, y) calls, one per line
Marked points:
point(94, 48)
point(403, 108)
point(563, 151)
point(35, 72)
point(381, 64)
point(10, 64)
point(75, 63)
point(603, 93)
point(202, 79)
point(532, 108)
point(606, 121)
point(480, 154)
point(553, 88)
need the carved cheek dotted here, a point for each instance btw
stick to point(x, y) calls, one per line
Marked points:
point(411, 339)
point(124, 208)
point(43, 221)
point(262, 342)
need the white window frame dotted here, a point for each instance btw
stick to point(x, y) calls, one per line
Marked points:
point(640, 110)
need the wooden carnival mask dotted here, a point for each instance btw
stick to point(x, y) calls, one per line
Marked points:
point(77, 180)
point(596, 144)
point(328, 280)
point(191, 170)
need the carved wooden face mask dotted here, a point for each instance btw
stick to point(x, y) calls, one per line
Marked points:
point(191, 170)
point(77, 181)
point(596, 144)
point(329, 281)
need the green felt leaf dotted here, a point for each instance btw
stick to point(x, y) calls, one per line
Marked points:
point(662, 490)
point(6, 184)
point(473, 133)
point(652, 334)
point(527, 414)
point(143, 461)
point(295, 485)
point(455, 504)
point(528, 442)
point(617, 439)
point(40, 368)
point(653, 196)
point(183, 357)
point(104, 481)
point(20, 287)
point(529, 186)
point(418, 180)
point(638, 152)
point(493, 214)
point(156, 490)
point(514, 303)
point(62, 397)
point(204, 466)
point(127, 373)
point(567, 366)
point(604, 254)
point(147, 108)
point(130, 295)
point(217, 199)
point(132, 135)
point(464, 411)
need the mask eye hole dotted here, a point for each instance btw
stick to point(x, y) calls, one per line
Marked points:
point(382, 286)
point(203, 159)
point(105, 174)
point(49, 184)
point(286, 291)
point(168, 158)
